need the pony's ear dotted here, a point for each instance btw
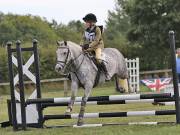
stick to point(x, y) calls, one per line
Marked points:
point(65, 43)
point(58, 43)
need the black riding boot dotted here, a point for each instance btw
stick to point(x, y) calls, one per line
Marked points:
point(103, 66)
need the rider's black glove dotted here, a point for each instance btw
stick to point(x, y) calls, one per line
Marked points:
point(85, 46)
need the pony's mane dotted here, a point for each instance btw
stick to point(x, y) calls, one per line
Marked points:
point(73, 45)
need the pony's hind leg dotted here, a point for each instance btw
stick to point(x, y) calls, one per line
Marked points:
point(124, 84)
point(74, 88)
point(119, 86)
point(129, 86)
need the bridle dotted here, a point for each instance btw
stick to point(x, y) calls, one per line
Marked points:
point(68, 64)
point(67, 56)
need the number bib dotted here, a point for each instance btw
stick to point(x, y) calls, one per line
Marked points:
point(90, 35)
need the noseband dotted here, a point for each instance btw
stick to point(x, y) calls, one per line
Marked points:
point(66, 60)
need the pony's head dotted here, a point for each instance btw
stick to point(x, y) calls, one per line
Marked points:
point(63, 56)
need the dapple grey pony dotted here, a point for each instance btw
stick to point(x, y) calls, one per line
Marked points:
point(71, 59)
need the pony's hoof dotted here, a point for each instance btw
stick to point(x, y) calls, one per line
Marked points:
point(121, 90)
point(80, 123)
point(68, 112)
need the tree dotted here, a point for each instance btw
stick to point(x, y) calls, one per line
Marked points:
point(76, 26)
point(146, 25)
point(117, 27)
point(25, 28)
point(151, 20)
point(72, 31)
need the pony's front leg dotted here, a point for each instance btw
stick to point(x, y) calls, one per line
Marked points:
point(74, 88)
point(83, 104)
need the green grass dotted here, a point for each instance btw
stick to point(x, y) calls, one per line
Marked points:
point(108, 89)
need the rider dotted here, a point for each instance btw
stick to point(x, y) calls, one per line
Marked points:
point(92, 40)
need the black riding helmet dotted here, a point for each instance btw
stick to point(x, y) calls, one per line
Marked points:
point(90, 17)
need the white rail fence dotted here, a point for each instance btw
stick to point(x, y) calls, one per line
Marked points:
point(133, 69)
point(65, 80)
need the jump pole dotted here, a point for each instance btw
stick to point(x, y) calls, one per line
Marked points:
point(175, 79)
point(112, 114)
point(38, 84)
point(21, 85)
point(101, 98)
point(11, 77)
point(113, 124)
point(157, 100)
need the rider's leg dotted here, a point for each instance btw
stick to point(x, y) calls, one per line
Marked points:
point(98, 52)
point(98, 55)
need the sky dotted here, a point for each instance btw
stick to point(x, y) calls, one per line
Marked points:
point(62, 11)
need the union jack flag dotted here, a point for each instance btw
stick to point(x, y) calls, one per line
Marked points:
point(156, 84)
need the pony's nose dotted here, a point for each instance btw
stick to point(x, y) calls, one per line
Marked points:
point(58, 67)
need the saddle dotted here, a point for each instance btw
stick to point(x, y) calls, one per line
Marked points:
point(100, 67)
point(91, 56)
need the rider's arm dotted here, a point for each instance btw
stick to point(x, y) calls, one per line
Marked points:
point(97, 38)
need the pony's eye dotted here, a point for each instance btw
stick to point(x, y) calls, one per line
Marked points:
point(64, 53)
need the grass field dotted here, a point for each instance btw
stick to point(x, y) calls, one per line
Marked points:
point(107, 130)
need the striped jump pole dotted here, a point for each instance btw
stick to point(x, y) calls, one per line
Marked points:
point(121, 124)
point(112, 124)
point(157, 100)
point(112, 114)
point(101, 98)
point(165, 103)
